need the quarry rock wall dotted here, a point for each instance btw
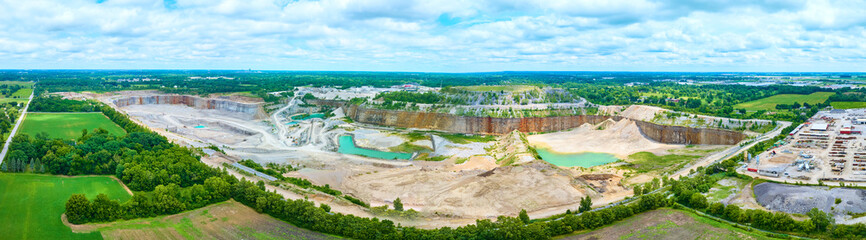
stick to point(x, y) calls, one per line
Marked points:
point(252, 110)
point(688, 135)
point(498, 126)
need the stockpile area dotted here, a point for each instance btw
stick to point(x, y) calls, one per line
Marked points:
point(621, 138)
point(801, 199)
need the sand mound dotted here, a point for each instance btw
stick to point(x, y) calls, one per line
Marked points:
point(476, 163)
point(641, 112)
point(621, 138)
point(607, 123)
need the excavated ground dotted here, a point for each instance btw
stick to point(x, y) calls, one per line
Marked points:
point(460, 191)
point(445, 191)
point(469, 192)
point(620, 138)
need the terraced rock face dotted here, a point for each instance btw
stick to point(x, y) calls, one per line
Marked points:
point(499, 126)
point(252, 110)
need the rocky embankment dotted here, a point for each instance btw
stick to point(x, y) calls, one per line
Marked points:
point(499, 126)
point(253, 110)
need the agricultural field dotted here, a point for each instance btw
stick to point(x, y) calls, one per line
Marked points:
point(848, 105)
point(22, 93)
point(226, 220)
point(769, 103)
point(668, 223)
point(499, 88)
point(67, 125)
point(15, 91)
point(32, 203)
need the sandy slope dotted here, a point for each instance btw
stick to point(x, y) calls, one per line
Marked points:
point(620, 138)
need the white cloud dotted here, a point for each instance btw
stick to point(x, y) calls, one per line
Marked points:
point(434, 35)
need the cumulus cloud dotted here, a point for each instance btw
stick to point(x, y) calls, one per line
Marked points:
point(435, 35)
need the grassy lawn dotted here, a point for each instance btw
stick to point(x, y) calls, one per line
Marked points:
point(646, 161)
point(32, 204)
point(666, 223)
point(499, 88)
point(226, 220)
point(22, 93)
point(67, 125)
point(769, 103)
point(18, 100)
point(848, 105)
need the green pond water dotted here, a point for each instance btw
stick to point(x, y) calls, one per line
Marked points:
point(347, 146)
point(200, 126)
point(292, 123)
point(314, 115)
point(584, 159)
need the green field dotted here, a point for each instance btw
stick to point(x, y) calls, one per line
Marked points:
point(499, 88)
point(225, 220)
point(666, 223)
point(23, 93)
point(32, 204)
point(769, 103)
point(67, 125)
point(26, 84)
point(848, 105)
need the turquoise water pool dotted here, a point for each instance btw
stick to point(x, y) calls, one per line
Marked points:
point(292, 123)
point(200, 126)
point(347, 146)
point(314, 115)
point(584, 159)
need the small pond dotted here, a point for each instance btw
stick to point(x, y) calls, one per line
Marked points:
point(305, 117)
point(584, 159)
point(200, 126)
point(347, 146)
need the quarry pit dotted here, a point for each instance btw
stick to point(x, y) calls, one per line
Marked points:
point(480, 178)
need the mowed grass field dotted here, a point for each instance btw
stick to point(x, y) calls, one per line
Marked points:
point(499, 88)
point(31, 204)
point(769, 103)
point(67, 125)
point(848, 105)
point(226, 220)
point(667, 223)
point(23, 93)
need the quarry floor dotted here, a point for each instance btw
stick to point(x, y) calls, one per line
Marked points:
point(447, 193)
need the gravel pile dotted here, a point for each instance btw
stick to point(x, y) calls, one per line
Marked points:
point(801, 199)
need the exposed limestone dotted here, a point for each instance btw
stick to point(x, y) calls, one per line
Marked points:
point(499, 126)
point(253, 110)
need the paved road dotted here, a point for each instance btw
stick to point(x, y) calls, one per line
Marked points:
point(15, 129)
point(732, 151)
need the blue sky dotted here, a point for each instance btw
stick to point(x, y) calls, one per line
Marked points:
point(435, 35)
